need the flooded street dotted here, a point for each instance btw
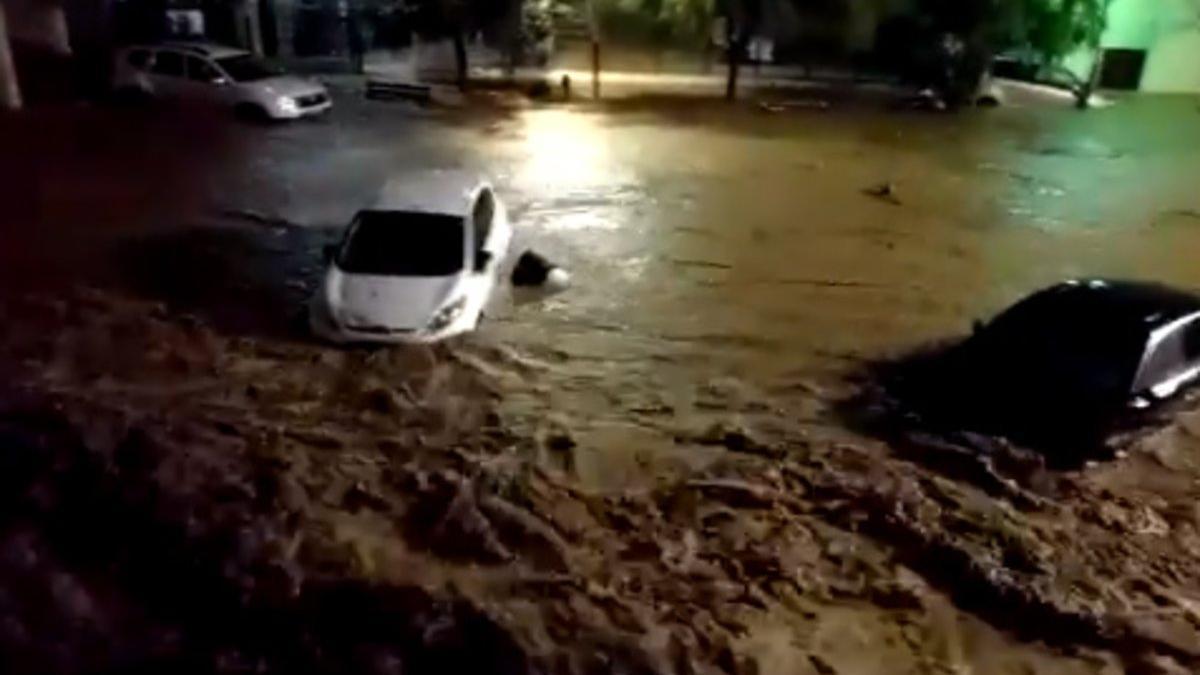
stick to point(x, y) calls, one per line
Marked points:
point(739, 254)
point(644, 473)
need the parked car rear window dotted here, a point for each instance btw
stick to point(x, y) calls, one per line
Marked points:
point(1191, 342)
point(168, 63)
point(396, 243)
point(247, 68)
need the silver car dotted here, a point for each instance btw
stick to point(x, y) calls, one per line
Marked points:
point(210, 74)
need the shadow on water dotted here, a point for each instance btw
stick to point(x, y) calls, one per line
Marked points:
point(239, 280)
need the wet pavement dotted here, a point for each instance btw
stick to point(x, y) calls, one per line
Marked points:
point(732, 274)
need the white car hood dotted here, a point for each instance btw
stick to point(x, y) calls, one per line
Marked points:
point(288, 85)
point(387, 302)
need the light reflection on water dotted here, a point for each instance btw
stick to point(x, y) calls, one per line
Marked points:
point(564, 150)
point(703, 250)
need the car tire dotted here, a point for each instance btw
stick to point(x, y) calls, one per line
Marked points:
point(251, 112)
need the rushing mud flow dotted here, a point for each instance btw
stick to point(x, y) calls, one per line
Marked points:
point(647, 473)
point(367, 511)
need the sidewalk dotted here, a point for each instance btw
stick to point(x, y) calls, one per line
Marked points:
point(771, 82)
point(623, 84)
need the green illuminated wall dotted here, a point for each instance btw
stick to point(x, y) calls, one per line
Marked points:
point(1169, 31)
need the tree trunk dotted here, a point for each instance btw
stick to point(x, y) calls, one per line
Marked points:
point(596, 69)
point(460, 60)
point(514, 26)
point(736, 49)
point(1083, 96)
point(354, 41)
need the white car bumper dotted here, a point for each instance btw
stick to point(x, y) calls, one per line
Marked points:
point(325, 327)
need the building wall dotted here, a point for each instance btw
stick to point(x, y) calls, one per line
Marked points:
point(1173, 61)
point(1169, 32)
point(38, 23)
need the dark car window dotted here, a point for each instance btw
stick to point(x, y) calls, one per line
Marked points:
point(1191, 342)
point(485, 208)
point(248, 68)
point(168, 63)
point(201, 70)
point(139, 58)
point(396, 243)
point(1041, 350)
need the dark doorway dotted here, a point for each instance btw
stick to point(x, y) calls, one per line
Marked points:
point(1122, 69)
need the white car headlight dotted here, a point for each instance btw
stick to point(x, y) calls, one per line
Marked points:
point(447, 314)
point(287, 104)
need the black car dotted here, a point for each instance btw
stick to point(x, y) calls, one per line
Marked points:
point(1059, 369)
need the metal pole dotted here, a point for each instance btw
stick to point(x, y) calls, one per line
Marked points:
point(595, 69)
point(594, 29)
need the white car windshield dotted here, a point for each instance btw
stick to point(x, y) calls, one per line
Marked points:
point(397, 243)
point(248, 68)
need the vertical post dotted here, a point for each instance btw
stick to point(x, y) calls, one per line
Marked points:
point(516, 24)
point(354, 39)
point(594, 29)
point(10, 89)
point(460, 58)
point(735, 49)
point(731, 82)
point(595, 69)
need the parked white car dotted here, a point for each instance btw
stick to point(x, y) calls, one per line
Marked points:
point(419, 266)
point(210, 74)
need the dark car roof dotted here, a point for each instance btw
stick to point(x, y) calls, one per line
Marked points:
point(1130, 305)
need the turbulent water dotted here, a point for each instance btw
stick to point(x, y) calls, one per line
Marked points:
point(645, 472)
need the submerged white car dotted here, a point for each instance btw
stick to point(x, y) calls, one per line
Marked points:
point(419, 266)
point(215, 75)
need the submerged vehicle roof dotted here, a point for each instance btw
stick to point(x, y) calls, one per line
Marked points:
point(1128, 305)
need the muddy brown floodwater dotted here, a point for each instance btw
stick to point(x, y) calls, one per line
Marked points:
point(717, 254)
point(649, 472)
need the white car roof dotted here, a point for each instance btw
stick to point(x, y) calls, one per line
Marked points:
point(210, 49)
point(449, 192)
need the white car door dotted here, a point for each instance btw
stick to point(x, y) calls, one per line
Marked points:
point(205, 83)
point(489, 243)
point(491, 225)
point(167, 75)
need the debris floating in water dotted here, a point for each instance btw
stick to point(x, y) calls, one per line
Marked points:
point(534, 270)
point(884, 192)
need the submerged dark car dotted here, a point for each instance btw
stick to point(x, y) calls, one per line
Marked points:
point(1059, 369)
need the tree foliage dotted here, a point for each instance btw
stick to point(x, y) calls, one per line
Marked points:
point(443, 18)
point(1049, 28)
point(656, 22)
point(948, 44)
